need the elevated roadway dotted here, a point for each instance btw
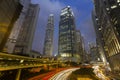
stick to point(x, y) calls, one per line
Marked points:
point(10, 62)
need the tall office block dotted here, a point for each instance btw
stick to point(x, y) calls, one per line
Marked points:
point(67, 33)
point(9, 47)
point(108, 14)
point(25, 37)
point(95, 56)
point(48, 43)
point(9, 13)
point(84, 54)
point(99, 40)
point(79, 46)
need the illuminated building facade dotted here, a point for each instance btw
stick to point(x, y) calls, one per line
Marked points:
point(67, 33)
point(48, 44)
point(9, 13)
point(99, 40)
point(84, 53)
point(108, 14)
point(79, 45)
point(95, 56)
point(25, 37)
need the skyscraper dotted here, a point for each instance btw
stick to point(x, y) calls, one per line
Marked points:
point(67, 33)
point(108, 14)
point(9, 13)
point(9, 47)
point(99, 40)
point(48, 43)
point(95, 56)
point(25, 37)
point(79, 46)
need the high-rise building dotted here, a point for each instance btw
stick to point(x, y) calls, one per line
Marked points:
point(26, 35)
point(95, 56)
point(9, 13)
point(84, 53)
point(9, 47)
point(99, 40)
point(67, 33)
point(79, 46)
point(108, 14)
point(48, 44)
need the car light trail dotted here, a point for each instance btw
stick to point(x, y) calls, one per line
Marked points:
point(63, 74)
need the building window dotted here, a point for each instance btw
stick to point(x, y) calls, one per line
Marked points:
point(112, 7)
point(118, 1)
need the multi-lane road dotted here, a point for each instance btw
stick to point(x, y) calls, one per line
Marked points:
point(63, 75)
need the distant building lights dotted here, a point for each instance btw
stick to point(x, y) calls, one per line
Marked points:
point(118, 1)
point(107, 9)
point(99, 29)
point(64, 13)
point(63, 55)
point(96, 19)
point(21, 61)
point(113, 6)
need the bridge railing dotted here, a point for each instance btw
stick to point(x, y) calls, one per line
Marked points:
point(10, 62)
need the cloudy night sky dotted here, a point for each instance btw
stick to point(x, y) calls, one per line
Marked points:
point(82, 12)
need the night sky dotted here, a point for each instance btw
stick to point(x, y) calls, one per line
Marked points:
point(82, 12)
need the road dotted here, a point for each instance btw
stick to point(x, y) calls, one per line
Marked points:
point(99, 73)
point(63, 74)
point(47, 76)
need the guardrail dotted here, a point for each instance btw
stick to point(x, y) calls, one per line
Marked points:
point(10, 62)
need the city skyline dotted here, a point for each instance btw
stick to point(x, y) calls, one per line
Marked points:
point(84, 34)
point(82, 11)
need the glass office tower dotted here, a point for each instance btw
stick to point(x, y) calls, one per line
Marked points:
point(66, 45)
point(48, 44)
